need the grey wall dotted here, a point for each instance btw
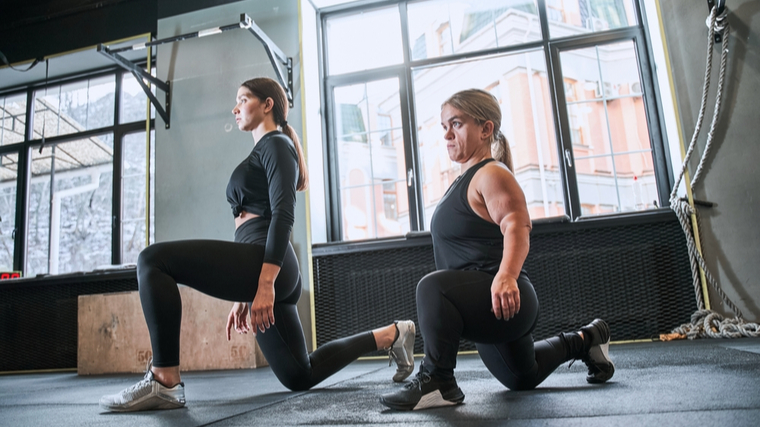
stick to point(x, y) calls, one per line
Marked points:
point(730, 231)
point(194, 158)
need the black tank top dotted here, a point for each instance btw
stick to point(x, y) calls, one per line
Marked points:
point(461, 239)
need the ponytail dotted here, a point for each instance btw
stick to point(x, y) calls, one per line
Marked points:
point(303, 175)
point(500, 150)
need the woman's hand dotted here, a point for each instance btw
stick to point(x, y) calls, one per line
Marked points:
point(262, 309)
point(238, 318)
point(505, 296)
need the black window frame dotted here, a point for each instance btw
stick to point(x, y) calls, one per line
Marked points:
point(551, 48)
point(23, 150)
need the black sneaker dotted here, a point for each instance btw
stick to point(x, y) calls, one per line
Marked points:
point(597, 358)
point(424, 392)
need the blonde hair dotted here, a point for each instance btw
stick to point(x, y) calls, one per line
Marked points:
point(483, 107)
point(263, 88)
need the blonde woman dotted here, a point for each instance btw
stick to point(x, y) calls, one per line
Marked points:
point(480, 291)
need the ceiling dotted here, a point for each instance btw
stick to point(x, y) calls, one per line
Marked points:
point(69, 63)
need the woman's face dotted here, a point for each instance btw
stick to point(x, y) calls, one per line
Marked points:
point(464, 137)
point(250, 111)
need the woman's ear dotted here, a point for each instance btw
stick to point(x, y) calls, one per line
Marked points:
point(487, 131)
point(268, 105)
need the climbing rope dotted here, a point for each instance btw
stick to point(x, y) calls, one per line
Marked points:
point(706, 323)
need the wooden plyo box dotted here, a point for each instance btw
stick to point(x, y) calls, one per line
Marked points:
point(113, 335)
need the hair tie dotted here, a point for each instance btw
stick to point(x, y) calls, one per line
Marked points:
point(284, 124)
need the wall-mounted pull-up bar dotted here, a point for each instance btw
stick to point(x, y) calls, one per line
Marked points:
point(273, 52)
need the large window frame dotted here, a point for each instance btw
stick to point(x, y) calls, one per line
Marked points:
point(552, 48)
point(24, 149)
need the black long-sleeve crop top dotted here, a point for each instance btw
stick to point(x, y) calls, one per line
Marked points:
point(265, 184)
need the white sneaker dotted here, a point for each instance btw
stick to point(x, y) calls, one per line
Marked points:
point(402, 350)
point(145, 395)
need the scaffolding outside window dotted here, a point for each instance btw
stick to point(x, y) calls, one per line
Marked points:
point(74, 140)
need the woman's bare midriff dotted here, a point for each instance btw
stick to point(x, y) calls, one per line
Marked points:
point(244, 216)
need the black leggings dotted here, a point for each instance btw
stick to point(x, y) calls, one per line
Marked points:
point(453, 304)
point(230, 271)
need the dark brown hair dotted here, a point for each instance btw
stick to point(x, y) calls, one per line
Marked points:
point(263, 88)
point(482, 106)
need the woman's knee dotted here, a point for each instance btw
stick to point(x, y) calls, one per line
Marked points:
point(294, 382)
point(430, 285)
point(519, 384)
point(149, 256)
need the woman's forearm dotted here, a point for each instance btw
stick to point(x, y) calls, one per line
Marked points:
point(268, 274)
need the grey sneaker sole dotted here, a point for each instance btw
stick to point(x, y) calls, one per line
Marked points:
point(146, 404)
point(436, 400)
point(404, 352)
point(146, 395)
point(600, 366)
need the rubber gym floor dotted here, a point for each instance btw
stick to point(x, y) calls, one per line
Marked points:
point(679, 383)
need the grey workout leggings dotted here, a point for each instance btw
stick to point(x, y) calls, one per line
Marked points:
point(454, 304)
point(230, 271)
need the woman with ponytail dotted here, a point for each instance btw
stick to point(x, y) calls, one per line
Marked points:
point(258, 271)
point(480, 291)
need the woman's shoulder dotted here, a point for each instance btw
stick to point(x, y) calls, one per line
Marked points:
point(275, 141)
point(493, 168)
point(492, 174)
point(275, 146)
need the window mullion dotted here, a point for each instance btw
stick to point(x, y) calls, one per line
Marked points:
point(562, 129)
point(551, 53)
point(116, 199)
point(332, 168)
point(408, 119)
point(661, 155)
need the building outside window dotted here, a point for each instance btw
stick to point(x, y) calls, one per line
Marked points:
point(592, 147)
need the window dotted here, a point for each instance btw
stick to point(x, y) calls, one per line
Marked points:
point(132, 106)
point(13, 116)
point(473, 25)
point(8, 179)
point(614, 168)
point(70, 206)
point(76, 143)
point(568, 74)
point(570, 17)
point(355, 45)
point(74, 107)
point(134, 178)
point(370, 159)
point(520, 84)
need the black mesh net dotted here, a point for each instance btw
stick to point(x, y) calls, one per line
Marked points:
point(38, 322)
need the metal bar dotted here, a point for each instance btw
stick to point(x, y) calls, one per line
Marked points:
point(129, 66)
point(288, 62)
point(272, 51)
point(140, 74)
point(164, 113)
point(247, 22)
point(197, 34)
